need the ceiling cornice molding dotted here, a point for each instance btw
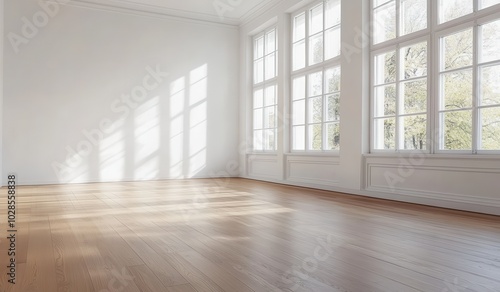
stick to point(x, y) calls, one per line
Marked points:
point(131, 7)
point(259, 10)
point(155, 11)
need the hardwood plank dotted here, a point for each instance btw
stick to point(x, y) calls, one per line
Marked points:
point(145, 279)
point(181, 288)
point(72, 274)
point(243, 235)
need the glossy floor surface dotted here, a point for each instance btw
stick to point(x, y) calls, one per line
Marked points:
point(241, 235)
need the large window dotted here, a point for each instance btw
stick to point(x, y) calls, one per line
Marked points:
point(400, 97)
point(396, 18)
point(462, 112)
point(265, 91)
point(469, 89)
point(316, 77)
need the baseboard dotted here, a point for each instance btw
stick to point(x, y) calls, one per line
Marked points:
point(448, 201)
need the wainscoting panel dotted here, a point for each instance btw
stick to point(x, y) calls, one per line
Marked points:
point(263, 166)
point(319, 170)
point(461, 180)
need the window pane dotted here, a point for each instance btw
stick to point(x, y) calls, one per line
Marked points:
point(299, 138)
point(385, 68)
point(332, 13)
point(259, 48)
point(458, 49)
point(414, 61)
point(299, 27)
point(258, 98)
point(333, 131)
point(257, 119)
point(270, 66)
point(269, 140)
point(299, 55)
point(385, 100)
point(270, 98)
point(299, 112)
point(415, 132)
point(259, 71)
point(332, 43)
point(414, 16)
point(451, 9)
point(315, 110)
point(257, 140)
point(316, 49)
point(333, 108)
point(315, 137)
point(384, 27)
point(315, 84)
point(332, 80)
point(271, 41)
point(490, 85)
point(299, 88)
point(457, 90)
point(415, 96)
point(490, 128)
point(490, 42)
point(488, 3)
point(457, 130)
point(385, 133)
point(269, 117)
point(316, 17)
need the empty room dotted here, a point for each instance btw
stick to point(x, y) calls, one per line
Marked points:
point(250, 145)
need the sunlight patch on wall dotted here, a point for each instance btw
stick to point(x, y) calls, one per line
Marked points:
point(177, 100)
point(112, 157)
point(147, 139)
point(198, 120)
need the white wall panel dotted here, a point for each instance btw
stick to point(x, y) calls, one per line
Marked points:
point(166, 87)
point(263, 166)
point(313, 170)
point(457, 180)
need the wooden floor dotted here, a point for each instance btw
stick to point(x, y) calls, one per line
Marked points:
point(241, 235)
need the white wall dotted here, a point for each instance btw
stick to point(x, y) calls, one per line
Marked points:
point(1, 86)
point(69, 77)
point(458, 182)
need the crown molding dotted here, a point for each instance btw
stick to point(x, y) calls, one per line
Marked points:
point(152, 10)
point(127, 6)
point(258, 10)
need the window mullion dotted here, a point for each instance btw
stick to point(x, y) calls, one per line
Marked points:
point(306, 38)
point(306, 115)
point(324, 31)
point(325, 127)
point(398, 18)
point(476, 131)
point(399, 63)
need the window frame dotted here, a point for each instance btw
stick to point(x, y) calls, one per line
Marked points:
point(397, 48)
point(263, 85)
point(308, 69)
point(433, 33)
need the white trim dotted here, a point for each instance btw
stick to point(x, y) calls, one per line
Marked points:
point(449, 201)
point(309, 69)
point(161, 11)
point(152, 11)
point(263, 86)
point(433, 33)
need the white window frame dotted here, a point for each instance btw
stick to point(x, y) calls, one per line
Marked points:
point(434, 32)
point(263, 85)
point(309, 69)
point(397, 48)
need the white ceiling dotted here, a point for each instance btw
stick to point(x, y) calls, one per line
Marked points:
point(223, 11)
